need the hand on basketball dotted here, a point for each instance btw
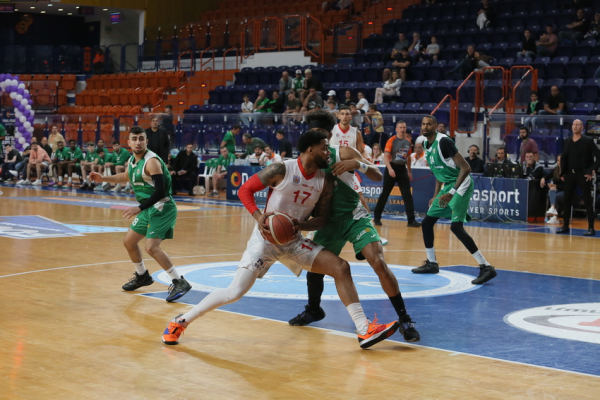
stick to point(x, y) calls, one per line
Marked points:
point(262, 226)
point(444, 200)
point(344, 166)
point(95, 177)
point(130, 212)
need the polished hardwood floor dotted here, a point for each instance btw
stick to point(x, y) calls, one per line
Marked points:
point(70, 332)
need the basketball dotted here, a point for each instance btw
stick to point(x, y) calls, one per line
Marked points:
point(281, 227)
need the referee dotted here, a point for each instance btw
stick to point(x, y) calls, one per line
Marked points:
point(397, 152)
point(578, 168)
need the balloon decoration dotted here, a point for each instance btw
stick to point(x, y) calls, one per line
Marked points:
point(22, 102)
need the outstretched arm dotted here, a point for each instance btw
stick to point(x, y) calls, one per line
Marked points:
point(351, 159)
point(118, 178)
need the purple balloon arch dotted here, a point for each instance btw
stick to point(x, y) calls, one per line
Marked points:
point(23, 113)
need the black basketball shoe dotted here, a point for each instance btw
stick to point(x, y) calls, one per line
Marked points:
point(428, 267)
point(407, 329)
point(138, 281)
point(307, 316)
point(178, 289)
point(486, 272)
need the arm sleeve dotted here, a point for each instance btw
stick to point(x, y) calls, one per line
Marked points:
point(246, 193)
point(159, 192)
point(448, 148)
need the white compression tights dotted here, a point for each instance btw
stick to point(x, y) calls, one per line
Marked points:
point(243, 281)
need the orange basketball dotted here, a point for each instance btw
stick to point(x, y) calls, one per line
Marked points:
point(281, 227)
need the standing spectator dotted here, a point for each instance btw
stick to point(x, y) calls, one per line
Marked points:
point(247, 108)
point(417, 159)
point(185, 167)
point(466, 64)
point(166, 121)
point(532, 170)
point(594, 28)
point(11, 158)
point(477, 165)
point(39, 159)
point(363, 105)
point(533, 108)
point(285, 146)
point(547, 44)
point(294, 108)
point(398, 171)
point(298, 82)
point(251, 143)
point(229, 139)
point(391, 87)
point(578, 168)
point(54, 137)
point(375, 120)
point(528, 47)
point(276, 104)
point(528, 145)
point(377, 154)
point(577, 28)
point(223, 162)
point(312, 101)
point(98, 62)
point(403, 63)
point(432, 50)
point(556, 191)
point(501, 156)
point(269, 156)
point(310, 82)
point(158, 140)
point(286, 83)
point(556, 104)
point(486, 15)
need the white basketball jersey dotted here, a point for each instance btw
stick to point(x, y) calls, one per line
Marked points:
point(297, 193)
point(341, 138)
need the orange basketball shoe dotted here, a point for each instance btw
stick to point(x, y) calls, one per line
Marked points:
point(174, 330)
point(377, 333)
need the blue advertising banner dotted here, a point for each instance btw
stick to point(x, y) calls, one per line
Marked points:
point(237, 175)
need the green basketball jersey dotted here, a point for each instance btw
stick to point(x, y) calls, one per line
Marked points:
point(345, 203)
point(444, 169)
point(121, 156)
point(76, 154)
point(91, 156)
point(62, 155)
point(143, 186)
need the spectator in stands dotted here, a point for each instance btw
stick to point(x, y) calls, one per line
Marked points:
point(391, 87)
point(375, 121)
point(486, 15)
point(20, 166)
point(501, 156)
point(254, 158)
point(98, 62)
point(331, 95)
point(377, 154)
point(477, 165)
point(534, 108)
point(229, 139)
point(466, 64)
point(482, 61)
point(223, 162)
point(269, 156)
point(87, 165)
point(556, 191)
point(44, 145)
point(158, 140)
point(276, 105)
point(532, 170)
point(528, 145)
point(2, 136)
point(528, 47)
point(312, 101)
point(432, 50)
point(331, 107)
point(349, 98)
point(416, 48)
point(260, 105)
point(441, 128)
point(185, 166)
point(73, 158)
point(298, 82)
point(251, 143)
point(54, 137)
point(247, 108)
point(39, 159)
point(286, 83)
point(166, 121)
point(555, 104)
point(58, 166)
point(11, 158)
point(400, 44)
point(294, 108)
point(120, 156)
point(577, 28)
point(418, 159)
point(594, 28)
point(363, 105)
point(285, 146)
point(310, 82)
point(547, 44)
point(579, 162)
point(403, 63)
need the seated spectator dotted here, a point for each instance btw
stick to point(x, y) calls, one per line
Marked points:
point(47, 148)
point(417, 47)
point(185, 166)
point(528, 48)
point(556, 191)
point(223, 162)
point(501, 156)
point(39, 159)
point(276, 105)
point(247, 110)
point(298, 82)
point(11, 158)
point(482, 61)
point(58, 166)
point(74, 155)
point(391, 87)
point(349, 98)
point(403, 63)
point(532, 170)
point(363, 105)
point(251, 143)
point(332, 107)
point(285, 146)
point(441, 128)
point(547, 44)
point(594, 28)
point(555, 104)
point(294, 108)
point(312, 101)
point(331, 95)
point(261, 103)
point(120, 156)
point(528, 145)
point(269, 156)
point(91, 159)
point(286, 83)
point(418, 159)
point(477, 165)
point(104, 156)
point(432, 51)
point(310, 82)
point(577, 28)
point(377, 154)
point(375, 121)
point(486, 15)
point(400, 44)
point(533, 108)
point(254, 158)
point(466, 65)
point(22, 165)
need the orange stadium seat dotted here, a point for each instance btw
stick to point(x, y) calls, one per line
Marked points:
point(115, 111)
point(113, 81)
point(131, 96)
point(71, 131)
point(143, 80)
point(136, 110)
point(89, 132)
point(134, 80)
point(113, 95)
point(39, 77)
point(97, 110)
point(131, 79)
point(62, 97)
point(25, 78)
point(69, 82)
point(123, 98)
point(103, 98)
point(105, 82)
point(161, 78)
point(94, 82)
point(145, 96)
point(152, 80)
point(64, 109)
point(126, 110)
point(107, 132)
point(88, 99)
point(88, 114)
point(55, 78)
point(123, 81)
point(135, 96)
point(106, 110)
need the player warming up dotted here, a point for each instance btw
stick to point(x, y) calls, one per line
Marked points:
point(349, 221)
point(453, 191)
point(155, 216)
point(299, 188)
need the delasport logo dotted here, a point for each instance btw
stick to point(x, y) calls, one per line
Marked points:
point(580, 321)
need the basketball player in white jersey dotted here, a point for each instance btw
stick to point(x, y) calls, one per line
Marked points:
point(299, 188)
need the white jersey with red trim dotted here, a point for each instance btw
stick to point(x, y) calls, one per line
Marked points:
point(297, 194)
point(341, 138)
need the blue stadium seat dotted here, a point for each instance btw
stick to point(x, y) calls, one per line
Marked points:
point(589, 91)
point(583, 109)
point(442, 89)
point(425, 92)
point(592, 65)
point(396, 108)
point(408, 91)
point(412, 108)
point(419, 71)
point(556, 67)
point(436, 68)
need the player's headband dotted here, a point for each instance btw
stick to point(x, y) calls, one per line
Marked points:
point(316, 123)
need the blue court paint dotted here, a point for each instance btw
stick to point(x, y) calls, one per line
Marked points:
point(473, 322)
point(95, 229)
point(33, 227)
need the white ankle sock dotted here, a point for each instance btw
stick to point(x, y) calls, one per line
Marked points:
point(173, 274)
point(480, 258)
point(139, 268)
point(431, 254)
point(70, 180)
point(60, 179)
point(358, 316)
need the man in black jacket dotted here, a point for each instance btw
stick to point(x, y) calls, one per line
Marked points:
point(185, 166)
point(578, 168)
point(158, 140)
point(528, 48)
point(477, 165)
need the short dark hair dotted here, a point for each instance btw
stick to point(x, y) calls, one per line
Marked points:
point(137, 130)
point(223, 147)
point(189, 144)
point(400, 122)
point(549, 26)
point(72, 141)
point(322, 119)
point(404, 49)
point(310, 138)
point(344, 107)
point(236, 126)
point(246, 95)
point(501, 148)
point(116, 142)
point(431, 117)
point(281, 132)
point(60, 141)
point(247, 136)
point(169, 106)
point(7, 145)
point(91, 144)
point(534, 92)
point(373, 107)
point(529, 152)
point(524, 128)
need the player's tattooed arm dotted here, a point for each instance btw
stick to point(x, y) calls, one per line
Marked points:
point(272, 175)
point(321, 211)
point(351, 159)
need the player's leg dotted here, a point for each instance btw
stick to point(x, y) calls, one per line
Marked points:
point(118, 169)
point(141, 276)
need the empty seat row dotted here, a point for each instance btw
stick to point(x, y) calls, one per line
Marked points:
point(166, 79)
point(129, 96)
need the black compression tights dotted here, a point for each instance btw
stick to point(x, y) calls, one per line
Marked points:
point(456, 227)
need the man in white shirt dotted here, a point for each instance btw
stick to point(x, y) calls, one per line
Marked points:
point(247, 109)
point(417, 159)
point(255, 158)
point(269, 156)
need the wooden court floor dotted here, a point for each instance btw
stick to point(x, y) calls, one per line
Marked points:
point(69, 331)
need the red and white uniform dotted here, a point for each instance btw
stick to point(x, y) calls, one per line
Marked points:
point(296, 195)
point(343, 138)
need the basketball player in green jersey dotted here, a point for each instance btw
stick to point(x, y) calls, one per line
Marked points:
point(453, 191)
point(154, 217)
point(350, 221)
